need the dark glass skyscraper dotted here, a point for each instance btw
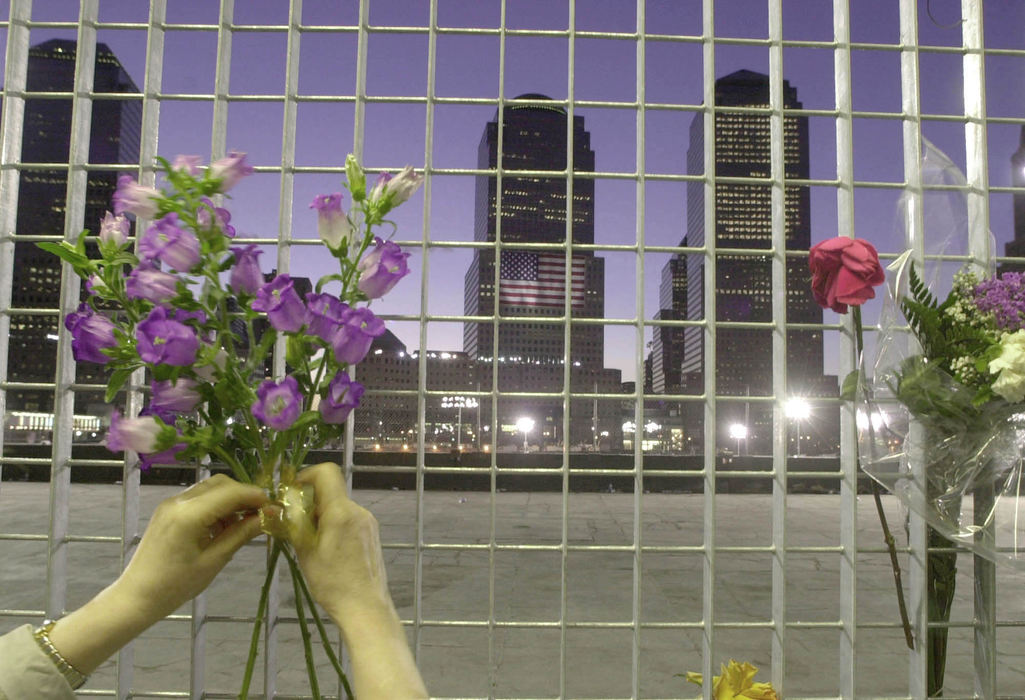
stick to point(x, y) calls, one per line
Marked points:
point(113, 139)
point(534, 211)
point(1016, 247)
point(743, 282)
point(530, 356)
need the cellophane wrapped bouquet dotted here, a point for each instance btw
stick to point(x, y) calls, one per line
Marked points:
point(940, 405)
point(197, 314)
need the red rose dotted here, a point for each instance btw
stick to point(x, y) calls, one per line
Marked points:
point(844, 271)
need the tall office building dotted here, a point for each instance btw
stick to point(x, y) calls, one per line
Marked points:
point(1016, 247)
point(535, 283)
point(743, 282)
point(113, 139)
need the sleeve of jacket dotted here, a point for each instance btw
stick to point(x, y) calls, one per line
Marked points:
point(26, 672)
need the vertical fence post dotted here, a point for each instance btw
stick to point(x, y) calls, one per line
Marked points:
point(977, 176)
point(848, 425)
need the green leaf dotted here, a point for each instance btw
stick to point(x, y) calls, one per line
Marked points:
point(329, 278)
point(850, 386)
point(117, 380)
point(66, 252)
point(80, 243)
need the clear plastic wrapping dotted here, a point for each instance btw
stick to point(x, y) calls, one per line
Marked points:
point(923, 433)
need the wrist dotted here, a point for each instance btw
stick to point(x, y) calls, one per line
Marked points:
point(364, 615)
point(90, 635)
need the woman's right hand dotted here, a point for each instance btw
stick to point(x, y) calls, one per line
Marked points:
point(345, 572)
point(342, 563)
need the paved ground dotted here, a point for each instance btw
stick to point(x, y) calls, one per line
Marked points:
point(525, 662)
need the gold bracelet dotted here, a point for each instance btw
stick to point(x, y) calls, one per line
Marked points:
point(71, 674)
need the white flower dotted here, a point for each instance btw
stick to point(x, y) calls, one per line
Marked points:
point(1010, 384)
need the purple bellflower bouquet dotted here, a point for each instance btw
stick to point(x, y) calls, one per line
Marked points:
point(196, 313)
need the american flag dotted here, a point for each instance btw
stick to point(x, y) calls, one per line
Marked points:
point(539, 279)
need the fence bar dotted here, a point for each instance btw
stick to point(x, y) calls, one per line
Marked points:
point(848, 426)
point(132, 476)
point(639, 277)
point(13, 123)
point(977, 176)
point(918, 609)
point(64, 397)
point(779, 344)
point(708, 646)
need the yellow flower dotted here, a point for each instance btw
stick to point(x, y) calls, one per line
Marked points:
point(737, 681)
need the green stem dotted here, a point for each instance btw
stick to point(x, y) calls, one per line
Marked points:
point(261, 611)
point(298, 577)
point(236, 468)
point(891, 546)
point(858, 335)
point(304, 629)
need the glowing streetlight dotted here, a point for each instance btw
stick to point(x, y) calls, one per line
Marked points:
point(459, 403)
point(738, 431)
point(525, 424)
point(799, 409)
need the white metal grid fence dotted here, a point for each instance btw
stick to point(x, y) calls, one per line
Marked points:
point(852, 630)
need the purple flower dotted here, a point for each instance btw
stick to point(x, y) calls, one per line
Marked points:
point(134, 198)
point(342, 396)
point(282, 304)
point(389, 192)
point(169, 398)
point(168, 456)
point(90, 334)
point(220, 218)
point(381, 269)
point(94, 285)
point(151, 284)
point(332, 224)
point(199, 316)
point(278, 404)
point(1004, 297)
point(114, 229)
point(230, 169)
point(162, 341)
point(324, 315)
point(190, 164)
point(351, 342)
point(246, 276)
point(136, 434)
point(167, 242)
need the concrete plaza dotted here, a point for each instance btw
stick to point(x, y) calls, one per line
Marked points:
point(465, 584)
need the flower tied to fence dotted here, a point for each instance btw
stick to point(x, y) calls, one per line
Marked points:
point(845, 272)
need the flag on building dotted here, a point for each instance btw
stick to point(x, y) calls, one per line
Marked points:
point(539, 279)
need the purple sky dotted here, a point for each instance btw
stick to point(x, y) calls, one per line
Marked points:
point(468, 66)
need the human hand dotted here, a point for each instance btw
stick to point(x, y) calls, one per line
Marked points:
point(190, 538)
point(342, 562)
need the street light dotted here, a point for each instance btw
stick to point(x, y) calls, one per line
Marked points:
point(738, 431)
point(458, 403)
point(799, 409)
point(524, 424)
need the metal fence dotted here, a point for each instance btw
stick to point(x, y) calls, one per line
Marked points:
point(287, 98)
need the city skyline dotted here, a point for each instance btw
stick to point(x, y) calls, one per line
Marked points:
point(467, 66)
point(36, 283)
